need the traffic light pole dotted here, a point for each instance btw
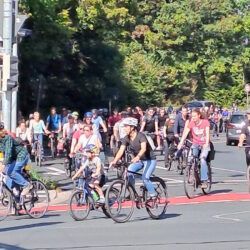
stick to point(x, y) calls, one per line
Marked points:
point(7, 48)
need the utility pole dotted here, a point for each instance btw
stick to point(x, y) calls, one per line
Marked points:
point(7, 49)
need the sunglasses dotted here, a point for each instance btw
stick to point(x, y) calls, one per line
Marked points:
point(86, 130)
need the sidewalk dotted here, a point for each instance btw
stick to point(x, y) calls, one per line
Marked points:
point(59, 197)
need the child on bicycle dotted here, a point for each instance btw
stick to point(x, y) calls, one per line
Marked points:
point(93, 165)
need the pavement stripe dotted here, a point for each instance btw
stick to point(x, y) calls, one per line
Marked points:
point(229, 170)
point(183, 200)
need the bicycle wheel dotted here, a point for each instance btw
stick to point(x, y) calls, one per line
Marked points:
point(38, 157)
point(5, 203)
point(209, 181)
point(52, 148)
point(248, 178)
point(190, 182)
point(67, 168)
point(156, 208)
point(120, 201)
point(79, 205)
point(37, 201)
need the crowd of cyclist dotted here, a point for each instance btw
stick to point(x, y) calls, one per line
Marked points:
point(97, 131)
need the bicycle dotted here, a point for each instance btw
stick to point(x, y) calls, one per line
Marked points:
point(84, 199)
point(52, 143)
point(125, 159)
point(121, 198)
point(37, 147)
point(192, 179)
point(247, 171)
point(35, 203)
point(70, 165)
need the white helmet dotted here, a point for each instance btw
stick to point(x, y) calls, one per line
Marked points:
point(130, 121)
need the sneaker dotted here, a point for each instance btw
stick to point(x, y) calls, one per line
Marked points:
point(101, 200)
point(27, 189)
point(204, 185)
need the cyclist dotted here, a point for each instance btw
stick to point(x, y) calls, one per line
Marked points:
point(180, 121)
point(94, 165)
point(245, 135)
point(88, 138)
point(142, 152)
point(168, 133)
point(150, 125)
point(23, 133)
point(15, 158)
point(37, 128)
point(69, 129)
point(200, 130)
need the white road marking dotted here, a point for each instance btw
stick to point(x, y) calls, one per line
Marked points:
point(229, 170)
point(56, 171)
point(225, 216)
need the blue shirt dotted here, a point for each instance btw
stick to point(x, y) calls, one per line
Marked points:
point(54, 122)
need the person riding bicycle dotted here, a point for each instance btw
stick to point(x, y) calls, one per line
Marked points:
point(180, 121)
point(245, 135)
point(37, 128)
point(53, 123)
point(93, 166)
point(200, 130)
point(150, 125)
point(168, 133)
point(15, 158)
point(142, 152)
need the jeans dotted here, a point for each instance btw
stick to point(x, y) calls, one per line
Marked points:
point(38, 137)
point(195, 149)
point(14, 173)
point(149, 167)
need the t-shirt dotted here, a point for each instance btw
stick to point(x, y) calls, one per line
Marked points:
point(199, 131)
point(97, 121)
point(37, 127)
point(121, 129)
point(135, 146)
point(92, 165)
point(69, 130)
point(162, 120)
point(87, 141)
point(246, 131)
point(54, 121)
point(77, 135)
point(150, 123)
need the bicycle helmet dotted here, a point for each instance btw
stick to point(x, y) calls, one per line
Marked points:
point(88, 115)
point(130, 121)
point(91, 148)
point(75, 113)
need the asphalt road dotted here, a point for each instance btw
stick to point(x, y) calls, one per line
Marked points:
point(203, 225)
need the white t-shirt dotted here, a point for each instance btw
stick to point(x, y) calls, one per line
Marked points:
point(92, 164)
point(86, 141)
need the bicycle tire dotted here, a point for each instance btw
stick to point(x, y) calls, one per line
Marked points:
point(190, 182)
point(119, 172)
point(248, 179)
point(37, 201)
point(67, 168)
point(5, 203)
point(161, 200)
point(121, 202)
point(209, 181)
point(79, 204)
point(52, 148)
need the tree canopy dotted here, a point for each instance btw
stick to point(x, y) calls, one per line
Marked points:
point(83, 53)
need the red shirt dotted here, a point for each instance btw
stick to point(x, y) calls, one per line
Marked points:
point(199, 131)
point(77, 135)
point(113, 120)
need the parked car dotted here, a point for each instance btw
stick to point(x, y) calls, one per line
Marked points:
point(236, 122)
point(199, 104)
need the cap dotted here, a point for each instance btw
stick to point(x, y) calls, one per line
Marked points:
point(70, 116)
point(75, 113)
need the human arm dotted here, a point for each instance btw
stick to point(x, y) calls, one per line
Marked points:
point(118, 155)
point(141, 152)
point(102, 123)
point(184, 136)
point(98, 167)
point(176, 125)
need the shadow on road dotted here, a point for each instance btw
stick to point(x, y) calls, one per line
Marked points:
point(237, 175)
point(44, 224)
point(10, 247)
point(221, 191)
point(165, 216)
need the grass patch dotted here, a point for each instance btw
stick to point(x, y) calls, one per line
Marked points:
point(50, 184)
